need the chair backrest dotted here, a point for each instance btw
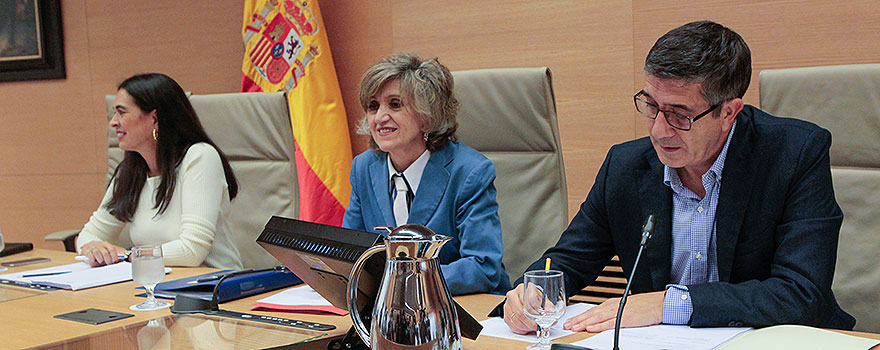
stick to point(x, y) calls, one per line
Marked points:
point(254, 131)
point(510, 116)
point(846, 101)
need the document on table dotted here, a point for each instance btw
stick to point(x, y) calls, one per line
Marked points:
point(798, 337)
point(663, 337)
point(495, 327)
point(76, 276)
point(302, 299)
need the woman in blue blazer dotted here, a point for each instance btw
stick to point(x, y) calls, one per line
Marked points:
point(416, 173)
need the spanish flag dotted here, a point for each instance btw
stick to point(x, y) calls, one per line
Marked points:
point(286, 49)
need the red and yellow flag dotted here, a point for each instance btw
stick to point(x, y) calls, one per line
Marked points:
point(286, 49)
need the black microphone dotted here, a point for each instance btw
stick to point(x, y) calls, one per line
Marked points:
point(647, 231)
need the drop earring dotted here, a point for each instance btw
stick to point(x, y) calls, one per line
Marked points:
point(425, 136)
point(156, 134)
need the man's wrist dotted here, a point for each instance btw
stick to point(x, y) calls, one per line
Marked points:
point(677, 305)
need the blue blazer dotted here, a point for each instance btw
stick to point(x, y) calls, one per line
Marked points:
point(456, 197)
point(777, 227)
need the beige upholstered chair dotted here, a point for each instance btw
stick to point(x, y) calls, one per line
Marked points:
point(253, 130)
point(510, 116)
point(846, 101)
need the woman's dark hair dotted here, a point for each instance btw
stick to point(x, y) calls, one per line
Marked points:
point(178, 129)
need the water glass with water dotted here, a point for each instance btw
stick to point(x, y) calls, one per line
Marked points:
point(2, 246)
point(148, 269)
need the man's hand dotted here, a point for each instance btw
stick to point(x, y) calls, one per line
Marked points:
point(513, 313)
point(101, 253)
point(641, 310)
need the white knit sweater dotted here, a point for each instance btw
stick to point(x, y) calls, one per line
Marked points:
point(193, 230)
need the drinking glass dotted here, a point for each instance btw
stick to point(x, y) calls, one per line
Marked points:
point(148, 268)
point(2, 246)
point(543, 302)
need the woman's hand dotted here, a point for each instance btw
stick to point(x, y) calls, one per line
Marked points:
point(101, 253)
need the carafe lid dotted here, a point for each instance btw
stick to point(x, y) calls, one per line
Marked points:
point(411, 232)
point(412, 241)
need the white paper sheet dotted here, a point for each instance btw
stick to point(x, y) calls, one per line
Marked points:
point(663, 337)
point(495, 327)
point(302, 295)
point(18, 276)
point(81, 275)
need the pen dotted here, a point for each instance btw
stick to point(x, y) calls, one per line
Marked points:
point(46, 274)
point(84, 258)
point(311, 338)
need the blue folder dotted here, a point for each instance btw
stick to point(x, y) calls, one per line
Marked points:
point(234, 287)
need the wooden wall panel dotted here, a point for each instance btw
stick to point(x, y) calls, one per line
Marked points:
point(198, 43)
point(780, 34)
point(359, 33)
point(34, 205)
point(585, 44)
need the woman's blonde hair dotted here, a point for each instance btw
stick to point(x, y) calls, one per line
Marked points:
point(426, 86)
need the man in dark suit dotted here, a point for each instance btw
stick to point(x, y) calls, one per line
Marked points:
point(747, 223)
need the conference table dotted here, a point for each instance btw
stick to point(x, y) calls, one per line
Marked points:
point(28, 322)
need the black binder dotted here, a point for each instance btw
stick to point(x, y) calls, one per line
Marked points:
point(15, 248)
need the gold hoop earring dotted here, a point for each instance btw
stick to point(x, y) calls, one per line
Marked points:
point(156, 134)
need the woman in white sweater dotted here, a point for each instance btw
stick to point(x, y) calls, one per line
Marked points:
point(172, 188)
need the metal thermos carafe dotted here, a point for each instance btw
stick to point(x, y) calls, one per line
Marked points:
point(413, 308)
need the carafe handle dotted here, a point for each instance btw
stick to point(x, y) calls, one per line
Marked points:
point(352, 292)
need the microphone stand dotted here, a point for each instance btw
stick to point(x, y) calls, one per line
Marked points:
point(647, 231)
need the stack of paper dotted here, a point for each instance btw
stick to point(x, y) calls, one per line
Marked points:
point(663, 337)
point(75, 276)
point(302, 299)
point(495, 327)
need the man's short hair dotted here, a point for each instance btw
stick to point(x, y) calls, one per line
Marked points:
point(704, 52)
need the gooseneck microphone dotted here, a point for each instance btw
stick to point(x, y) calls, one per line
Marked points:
point(647, 231)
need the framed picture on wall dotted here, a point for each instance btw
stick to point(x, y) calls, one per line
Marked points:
point(31, 40)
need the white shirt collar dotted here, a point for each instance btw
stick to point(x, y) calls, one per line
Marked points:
point(413, 173)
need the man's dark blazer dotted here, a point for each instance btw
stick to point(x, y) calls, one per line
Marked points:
point(777, 226)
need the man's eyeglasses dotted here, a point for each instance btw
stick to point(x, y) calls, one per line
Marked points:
point(674, 119)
